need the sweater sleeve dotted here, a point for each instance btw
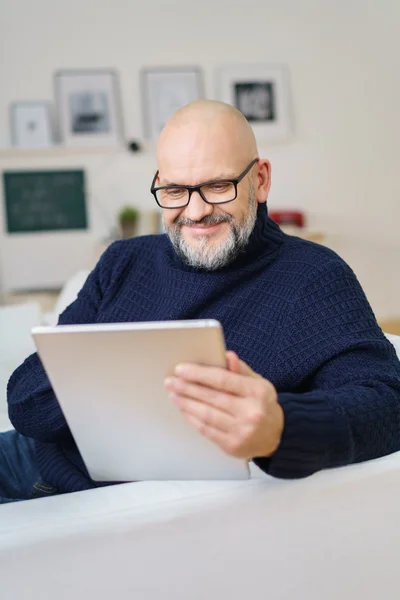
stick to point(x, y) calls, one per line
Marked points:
point(32, 405)
point(341, 398)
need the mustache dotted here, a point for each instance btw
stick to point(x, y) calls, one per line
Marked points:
point(207, 220)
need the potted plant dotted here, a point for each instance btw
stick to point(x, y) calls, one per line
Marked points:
point(128, 218)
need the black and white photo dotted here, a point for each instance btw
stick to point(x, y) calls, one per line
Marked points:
point(88, 108)
point(256, 100)
point(90, 112)
point(261, 93)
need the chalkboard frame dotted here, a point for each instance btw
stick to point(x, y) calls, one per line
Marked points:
point(70, 218)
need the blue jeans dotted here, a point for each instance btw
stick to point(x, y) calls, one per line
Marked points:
point(19, 474)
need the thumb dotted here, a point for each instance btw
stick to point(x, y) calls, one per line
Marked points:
point(235, 365)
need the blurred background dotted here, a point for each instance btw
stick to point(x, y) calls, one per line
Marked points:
point(337, 161)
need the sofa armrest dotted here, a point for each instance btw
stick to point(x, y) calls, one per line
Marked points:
point(327, 537)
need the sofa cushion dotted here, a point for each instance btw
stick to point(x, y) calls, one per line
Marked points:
point(16, 342)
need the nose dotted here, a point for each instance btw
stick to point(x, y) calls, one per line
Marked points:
point(197, 208)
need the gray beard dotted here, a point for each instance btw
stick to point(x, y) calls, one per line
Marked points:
point(203, 255)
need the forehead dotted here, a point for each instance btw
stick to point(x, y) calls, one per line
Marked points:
point(195, 176)
point(193, 156)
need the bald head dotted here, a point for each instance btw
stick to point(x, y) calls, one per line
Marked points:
point(203, 135)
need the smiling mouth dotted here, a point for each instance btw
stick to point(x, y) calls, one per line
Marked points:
point(204, 228)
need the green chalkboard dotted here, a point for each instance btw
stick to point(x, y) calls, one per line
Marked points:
point(38, 201)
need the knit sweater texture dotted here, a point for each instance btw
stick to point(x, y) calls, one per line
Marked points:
point(293, 310)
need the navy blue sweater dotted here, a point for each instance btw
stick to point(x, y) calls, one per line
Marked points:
point(291, 309)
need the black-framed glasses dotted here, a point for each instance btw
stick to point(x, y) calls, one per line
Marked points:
point(218, 191)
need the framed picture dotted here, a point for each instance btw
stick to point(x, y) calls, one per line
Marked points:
point(31, 125)
point(164, 91)
point(261, 93)
point(88, 106)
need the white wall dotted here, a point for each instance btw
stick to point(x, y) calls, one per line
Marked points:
point(341, 166)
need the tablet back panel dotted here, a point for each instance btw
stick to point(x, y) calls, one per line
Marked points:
point(109, 381)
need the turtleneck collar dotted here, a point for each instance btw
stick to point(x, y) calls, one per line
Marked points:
point(265, 239)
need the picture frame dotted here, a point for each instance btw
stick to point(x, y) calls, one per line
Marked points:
point(31, 124)
point(261, 93)
point(165, 90)
point(88, 107)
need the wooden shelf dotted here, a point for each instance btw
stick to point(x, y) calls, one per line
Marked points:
point(390, 325)
point(59, 151)
point(305, 234)
point(46, 299)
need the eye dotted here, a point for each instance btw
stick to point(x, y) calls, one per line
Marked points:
point(175, 192)
point(219, 187)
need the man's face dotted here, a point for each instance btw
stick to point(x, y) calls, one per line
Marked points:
point(204, 235)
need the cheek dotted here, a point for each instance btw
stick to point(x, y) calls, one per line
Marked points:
point(169, 216)
point(235, 212)
point(241, 207)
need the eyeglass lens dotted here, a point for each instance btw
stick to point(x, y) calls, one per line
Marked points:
point(219, 191)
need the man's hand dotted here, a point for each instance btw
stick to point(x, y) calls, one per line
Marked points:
point(235, 407)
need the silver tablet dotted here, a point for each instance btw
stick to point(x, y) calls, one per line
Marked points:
point(109, 381)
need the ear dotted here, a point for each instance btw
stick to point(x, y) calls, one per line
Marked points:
point(263, 180)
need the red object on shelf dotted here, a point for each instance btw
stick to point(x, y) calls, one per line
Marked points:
point(288, 217)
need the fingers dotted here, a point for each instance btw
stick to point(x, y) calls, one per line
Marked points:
point(209, 396)
point(236, 365)
point(214, 435)
point(207, 415)
point(218, 379)
point(232, 362)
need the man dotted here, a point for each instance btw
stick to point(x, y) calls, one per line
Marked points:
point(311, 381)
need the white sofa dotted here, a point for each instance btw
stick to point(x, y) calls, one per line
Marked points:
point(334, 535)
